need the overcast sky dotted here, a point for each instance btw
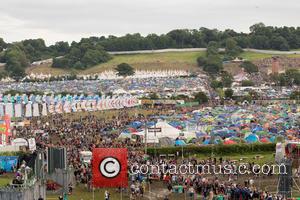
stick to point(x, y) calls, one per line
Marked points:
point(68, 20)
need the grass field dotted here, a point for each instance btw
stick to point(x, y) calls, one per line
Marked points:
point(5, 179)
point(82, 193)
point(152, 61)
point(254, 56)
point(259, 158)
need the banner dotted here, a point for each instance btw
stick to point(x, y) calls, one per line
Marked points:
point(109, 167)
point(18, 110)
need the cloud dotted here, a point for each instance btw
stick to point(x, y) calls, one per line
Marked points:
point(72, 19)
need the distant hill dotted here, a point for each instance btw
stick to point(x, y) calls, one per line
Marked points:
point(150, 61)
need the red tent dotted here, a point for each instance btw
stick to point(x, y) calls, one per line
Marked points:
point(264, 140)
point(229, 142)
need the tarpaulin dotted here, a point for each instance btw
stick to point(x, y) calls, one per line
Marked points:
point(7, 163)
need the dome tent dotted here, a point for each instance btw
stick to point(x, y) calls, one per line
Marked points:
point(252, 138)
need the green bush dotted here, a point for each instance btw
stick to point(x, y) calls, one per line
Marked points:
point(215, 149)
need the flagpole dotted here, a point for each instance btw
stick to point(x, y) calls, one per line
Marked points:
point(146, 138)
point(93, 192)
point(121, 193)
point(91, 181)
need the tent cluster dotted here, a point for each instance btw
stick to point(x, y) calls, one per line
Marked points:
point(223, 125)
point(134, 86)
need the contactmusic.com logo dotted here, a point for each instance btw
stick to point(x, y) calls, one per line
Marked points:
point(109, 167)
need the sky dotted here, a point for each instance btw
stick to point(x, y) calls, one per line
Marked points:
point(70, 20)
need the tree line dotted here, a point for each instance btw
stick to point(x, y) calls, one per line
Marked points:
point(259, 37)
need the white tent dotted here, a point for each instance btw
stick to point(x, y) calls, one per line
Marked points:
point(166, 131)
point(19, 142)
point(120, 91)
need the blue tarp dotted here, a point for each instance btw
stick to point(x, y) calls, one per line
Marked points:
point(257, 128)
point(136, 124)
point(8, 162)
point(179, 143)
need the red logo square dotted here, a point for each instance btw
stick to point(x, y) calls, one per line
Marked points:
point(109, 167)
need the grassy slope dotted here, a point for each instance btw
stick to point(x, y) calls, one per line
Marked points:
point(154, 61)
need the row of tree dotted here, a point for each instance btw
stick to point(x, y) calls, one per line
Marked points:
point(260, 37)
point(19, 55)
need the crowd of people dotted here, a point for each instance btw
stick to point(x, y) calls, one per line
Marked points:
point(212, 186)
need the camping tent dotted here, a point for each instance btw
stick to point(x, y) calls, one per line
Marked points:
point(179, 143)
point(166, 131)
point(252, 138)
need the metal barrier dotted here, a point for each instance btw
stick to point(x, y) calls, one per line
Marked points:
point(23, 192)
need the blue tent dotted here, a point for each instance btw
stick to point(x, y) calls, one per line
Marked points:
point(136, 124)
point(273, 139)
point(273, 130)
point(200, 134)
point(252, 138)
point(179, 143)
point(257, 128)
point(208, 141)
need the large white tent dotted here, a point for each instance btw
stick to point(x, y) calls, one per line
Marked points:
point(166, 131)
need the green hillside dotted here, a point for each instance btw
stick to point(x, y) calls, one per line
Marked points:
point(150, 61)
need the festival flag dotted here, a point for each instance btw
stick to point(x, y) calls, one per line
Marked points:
point(28, 112)
point(1, 110)
point(109, 167)
point(36, 112)
point(74, 109)
point(9, 109)
point(4, 129)
point(44, 109)
point(67, 107)
point(18, 110)
point(58, 108)
point(78, 106)
point(94, 105)
point(83, 105)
